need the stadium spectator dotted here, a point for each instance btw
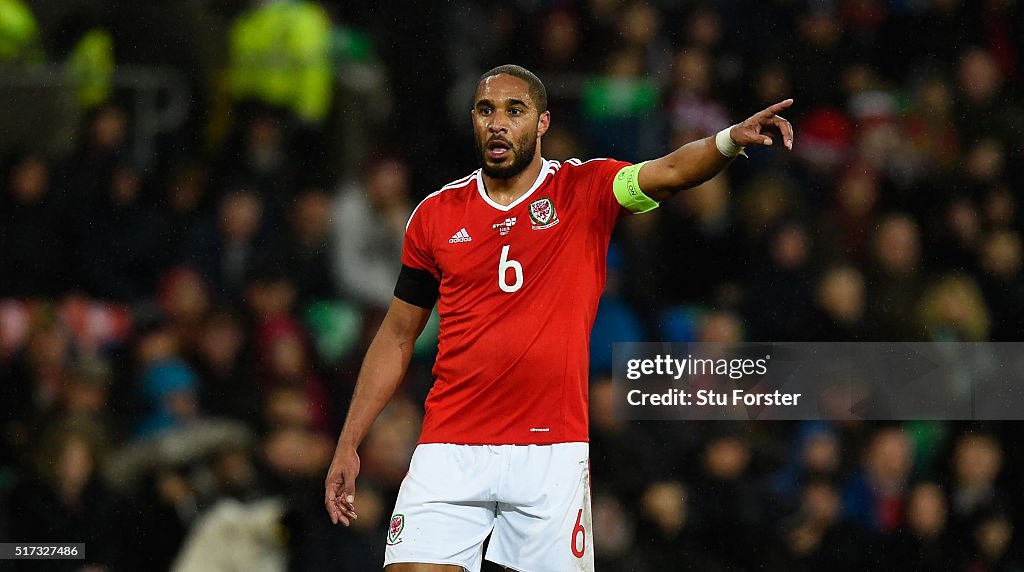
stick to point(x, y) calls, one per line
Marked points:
point(33, 231)
point(815, 454)
point(726, 504)
point(875, 498)
point(183, 203)
point(221, 360)
point(1002, 283)
point(705, 218)
point(894, 279)
point(974, 495)
point(369, 223)
point(783, 283)
point(262, 164)
point(280, 56)
point(120, 241)
point(169, 392)
point(34, 380)
point(984, 108)
point(101, 144)
point(614, 532)
point(838, 314)
point(668, 538)
point(309, 245)
point(952, 309)
point(819, 536)
point(694, 110)
point(925, 541)
point(184, 303)
point(230, 244)
point(993, 545)
point(65, 497)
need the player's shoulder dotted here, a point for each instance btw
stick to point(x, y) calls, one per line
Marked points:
point(573, 170)
point(596, 164)
point(574, 162)
point(455, 191)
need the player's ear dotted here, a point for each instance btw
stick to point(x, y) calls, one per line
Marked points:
point(543, 123)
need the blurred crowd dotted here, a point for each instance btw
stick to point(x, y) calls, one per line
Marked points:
point(179, 338)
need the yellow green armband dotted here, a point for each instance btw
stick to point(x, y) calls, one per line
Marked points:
point(627, 191)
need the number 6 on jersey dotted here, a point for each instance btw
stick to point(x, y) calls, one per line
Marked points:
point(503, 267)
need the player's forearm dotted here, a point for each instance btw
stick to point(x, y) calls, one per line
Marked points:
point(686, 167)
point(382, 372)
point(696, 162)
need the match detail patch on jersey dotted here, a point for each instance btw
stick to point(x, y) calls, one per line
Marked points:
point(542, 212)
point(396, 528)
point(461, 236)
point(505, 226)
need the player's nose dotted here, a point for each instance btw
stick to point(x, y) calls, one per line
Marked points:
point(497, 124)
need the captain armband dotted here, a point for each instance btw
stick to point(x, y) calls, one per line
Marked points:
point(627, 190)
point(417, 287)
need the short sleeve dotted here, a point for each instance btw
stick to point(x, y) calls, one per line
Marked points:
point(416, 249)
point(599, 175)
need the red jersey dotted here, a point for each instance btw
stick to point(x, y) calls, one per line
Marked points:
point(520, 285)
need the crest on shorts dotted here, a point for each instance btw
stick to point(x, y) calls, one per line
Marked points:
point(542, 211)
point(396, 528)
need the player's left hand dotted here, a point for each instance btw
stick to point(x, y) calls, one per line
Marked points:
point(340, 485)
point(760, 128)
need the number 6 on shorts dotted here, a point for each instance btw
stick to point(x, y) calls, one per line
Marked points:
point(579, 532)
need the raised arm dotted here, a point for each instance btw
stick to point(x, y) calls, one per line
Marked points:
point(698, 161)
point(383, 369)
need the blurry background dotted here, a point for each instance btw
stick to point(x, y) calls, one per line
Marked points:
point(201, 212)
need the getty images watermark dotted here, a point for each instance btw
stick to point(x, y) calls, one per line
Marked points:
point(690, 367)
point(895, 381)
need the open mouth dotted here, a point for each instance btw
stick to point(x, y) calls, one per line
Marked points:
point(498, 149)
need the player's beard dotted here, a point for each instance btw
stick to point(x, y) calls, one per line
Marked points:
point(522, 152)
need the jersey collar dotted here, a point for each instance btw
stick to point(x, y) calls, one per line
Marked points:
point(545, 169)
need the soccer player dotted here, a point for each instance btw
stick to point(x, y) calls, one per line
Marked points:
point(514, 256)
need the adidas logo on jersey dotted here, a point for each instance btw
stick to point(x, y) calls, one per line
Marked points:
point(461, 236)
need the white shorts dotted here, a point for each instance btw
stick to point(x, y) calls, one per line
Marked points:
point(535, 499)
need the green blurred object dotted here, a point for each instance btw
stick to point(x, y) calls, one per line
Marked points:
point(426, 344)
point(8, 480)
point(927, 437)
point(19, 34)
point(348, 45)
point(280, 54)
point(336, 327)
point(91, 67)
point(613, 97)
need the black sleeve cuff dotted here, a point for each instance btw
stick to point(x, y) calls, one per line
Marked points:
point(417, 287)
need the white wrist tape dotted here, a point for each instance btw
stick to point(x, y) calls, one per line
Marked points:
point(726, 146)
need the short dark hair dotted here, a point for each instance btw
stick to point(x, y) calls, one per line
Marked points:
point(538, 93)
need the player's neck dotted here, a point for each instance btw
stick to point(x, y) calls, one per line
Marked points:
point(506, 191)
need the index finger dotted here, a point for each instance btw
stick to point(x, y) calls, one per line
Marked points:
point(779, 106)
